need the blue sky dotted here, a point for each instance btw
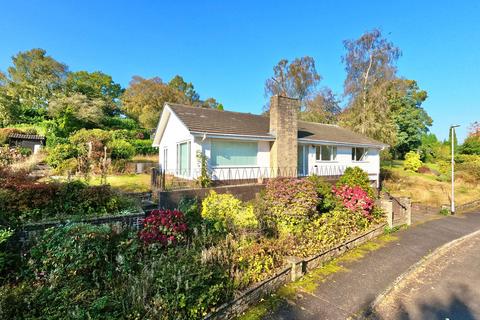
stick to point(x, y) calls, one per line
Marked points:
point(228, 48)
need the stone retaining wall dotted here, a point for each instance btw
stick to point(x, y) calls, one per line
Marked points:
point(297, 268)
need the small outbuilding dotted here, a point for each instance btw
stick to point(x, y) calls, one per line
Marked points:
point(31, 141)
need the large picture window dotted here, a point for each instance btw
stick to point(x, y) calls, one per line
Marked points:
point(326, 153)
point(359, 154)
point(183, 159)
point(234, 153)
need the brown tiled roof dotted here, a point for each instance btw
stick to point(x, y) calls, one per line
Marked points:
point(214, 121)
point(26, 136)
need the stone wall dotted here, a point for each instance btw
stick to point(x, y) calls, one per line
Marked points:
point(284, 126)
point(296, 269)
point(170, 199)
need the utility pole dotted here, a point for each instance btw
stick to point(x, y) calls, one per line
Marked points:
point(452, 137)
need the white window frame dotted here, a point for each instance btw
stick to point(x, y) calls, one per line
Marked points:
point(333, 153)
point(165, 158)
point(363, 158)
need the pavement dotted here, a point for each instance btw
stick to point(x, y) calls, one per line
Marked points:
point(349, 294)
point(446, 286)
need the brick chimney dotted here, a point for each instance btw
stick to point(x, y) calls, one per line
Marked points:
point(283, 125)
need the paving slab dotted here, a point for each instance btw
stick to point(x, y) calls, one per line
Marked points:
point(349, 293)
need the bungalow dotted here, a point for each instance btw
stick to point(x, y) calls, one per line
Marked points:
point(247, 146)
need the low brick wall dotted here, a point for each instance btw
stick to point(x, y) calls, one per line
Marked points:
point(295, 270)
point(170, 199)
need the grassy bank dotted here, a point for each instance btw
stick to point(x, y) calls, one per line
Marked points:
point(427, 188)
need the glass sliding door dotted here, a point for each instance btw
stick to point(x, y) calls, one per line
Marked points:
point(302, 160)
point(183, 159)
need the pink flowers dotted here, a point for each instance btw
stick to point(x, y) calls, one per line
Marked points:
point(355, 199)
point(167, 227)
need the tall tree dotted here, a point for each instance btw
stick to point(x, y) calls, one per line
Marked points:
point(75, 111)
point(144, 99)
point(33, 78)
point(412, 121)
point(188, 89)
point(96, 85)
point(324, 107)
point(370, 65)
point(296, 79)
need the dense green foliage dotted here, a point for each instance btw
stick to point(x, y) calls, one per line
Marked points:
point(24, 200)
point(356, 177)
point(182, 264)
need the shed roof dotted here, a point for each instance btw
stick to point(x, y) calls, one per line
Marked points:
point(26, 136)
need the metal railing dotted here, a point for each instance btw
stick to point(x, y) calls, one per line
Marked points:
point(173, 179)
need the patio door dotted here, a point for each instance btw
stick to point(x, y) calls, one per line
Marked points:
point(302, 160)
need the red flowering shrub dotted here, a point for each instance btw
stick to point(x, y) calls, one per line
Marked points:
point(167, 227)
point(355, 199)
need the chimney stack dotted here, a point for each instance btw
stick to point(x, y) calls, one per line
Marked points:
point(283, 125)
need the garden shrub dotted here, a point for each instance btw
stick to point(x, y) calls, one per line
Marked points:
point(424, 170)
point(192, 211)
point(60, 153)
point(355, 199)
point(227, 213)
point(84, 136)
point(412, 161)
point(355, 176)
point(22, 200)
point(143, 147)
point(290, 202)
point(6, 132)
point(121, 149)
point(164, 227)
point(5, 234)
point(181, 283)
point(330, 229)
point(80, 263)
point(324, 193)
point(257, 260)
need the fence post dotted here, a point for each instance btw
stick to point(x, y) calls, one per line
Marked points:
point(387, 206)
point(408, 211)
point(297, 268)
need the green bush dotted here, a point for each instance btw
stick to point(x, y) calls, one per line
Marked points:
point(5, 132)
point(227, 213)
point(412, 161)
point(5, 234)
point(471, 145)
point(356, 177)
point(324, 193)
point(60, 153)
point(143, 147)
point(82, 263)
point(121, 149)
point(290, 203)
point(84, 136)
point(25, 201)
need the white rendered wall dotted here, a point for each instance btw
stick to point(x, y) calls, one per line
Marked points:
point(175, 132)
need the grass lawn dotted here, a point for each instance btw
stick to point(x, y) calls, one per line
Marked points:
point(427, 188)
point(127, 183)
